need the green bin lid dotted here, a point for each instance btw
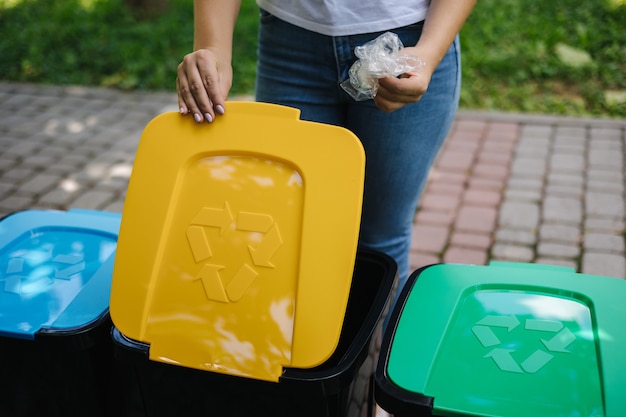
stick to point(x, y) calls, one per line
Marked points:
point(512, 340)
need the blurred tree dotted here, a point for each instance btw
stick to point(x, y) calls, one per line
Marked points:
point(147, 9)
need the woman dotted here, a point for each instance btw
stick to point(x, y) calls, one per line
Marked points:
point(306, 48)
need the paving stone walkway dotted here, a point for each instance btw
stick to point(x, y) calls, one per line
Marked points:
point(508, 187)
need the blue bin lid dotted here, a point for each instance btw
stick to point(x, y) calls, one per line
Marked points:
point(55, 269)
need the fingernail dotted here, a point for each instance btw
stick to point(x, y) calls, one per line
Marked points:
point(182, 110)
point(208, 117)
point(220, 109)
point(197, 117)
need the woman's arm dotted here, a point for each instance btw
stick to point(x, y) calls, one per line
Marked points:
point(443, 22)
point(205, 76)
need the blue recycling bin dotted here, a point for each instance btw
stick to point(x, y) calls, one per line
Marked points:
point(55, 346)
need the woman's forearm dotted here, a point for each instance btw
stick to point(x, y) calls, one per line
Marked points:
point(214, 24)
point(443, 22)
point(205, 76)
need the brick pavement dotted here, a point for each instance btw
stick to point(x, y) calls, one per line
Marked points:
point(527, 188)
point(504, 187)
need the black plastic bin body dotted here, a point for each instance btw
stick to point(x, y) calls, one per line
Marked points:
point(56, 354)
point(59, 374)
point(339, 387)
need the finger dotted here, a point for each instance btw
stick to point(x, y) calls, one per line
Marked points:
point(390, 96)
point(211, 84)
point(193, 74)
point(210, 75)
point(385, 105)
point(395, 87)
point(203, 106)
point(186, 99)
point(404, 90)
point(180, 92)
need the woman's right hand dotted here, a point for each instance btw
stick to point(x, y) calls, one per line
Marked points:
point(203, 83)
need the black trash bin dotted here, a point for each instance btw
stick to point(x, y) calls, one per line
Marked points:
point(339, 387)
point(236, 265)
point(56, 356)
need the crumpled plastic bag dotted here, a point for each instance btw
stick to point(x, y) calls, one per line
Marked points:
point(378, 58)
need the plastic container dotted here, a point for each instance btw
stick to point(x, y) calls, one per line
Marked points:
point(235, 268)
point(55, 347)
point(506, 340)
point(254, 216)
point(338, 387)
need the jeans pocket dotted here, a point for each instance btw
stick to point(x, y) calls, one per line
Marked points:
point(410, 34)
point(265, 16)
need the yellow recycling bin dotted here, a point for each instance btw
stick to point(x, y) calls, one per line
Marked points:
point(238, 241)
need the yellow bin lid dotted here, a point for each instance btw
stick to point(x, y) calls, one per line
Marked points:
point(238, 240)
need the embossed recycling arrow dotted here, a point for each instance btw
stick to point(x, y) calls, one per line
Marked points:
point(510, 322)
point(543, 325)
point(537, 360)
point(504, 358)
point(260, 256)
point(240, 282)
point(482, 329)
point(19, 281)
point(262, 223)
point(213, 217)
point(560, 341)
point(74, 264)
point(212, 282)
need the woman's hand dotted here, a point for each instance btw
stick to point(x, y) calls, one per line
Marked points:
point(395, 93)
point(442, 23)
point(203, 83)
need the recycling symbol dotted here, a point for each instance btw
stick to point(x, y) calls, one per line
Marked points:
point(260, 256)
point(20, 280)
point(560, 338)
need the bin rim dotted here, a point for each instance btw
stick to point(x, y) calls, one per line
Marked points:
point(387, 394)
point(350, 357)
point(346, 364)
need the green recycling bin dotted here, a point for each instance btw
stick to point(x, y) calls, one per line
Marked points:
point(505, 340)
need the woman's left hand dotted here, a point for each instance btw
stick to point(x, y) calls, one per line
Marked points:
point(395, 93)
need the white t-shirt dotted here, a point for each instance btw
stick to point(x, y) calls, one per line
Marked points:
point(347, 17)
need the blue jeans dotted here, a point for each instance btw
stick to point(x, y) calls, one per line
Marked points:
point(303, 69)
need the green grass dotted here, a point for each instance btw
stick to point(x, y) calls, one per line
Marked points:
point(559, 57)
